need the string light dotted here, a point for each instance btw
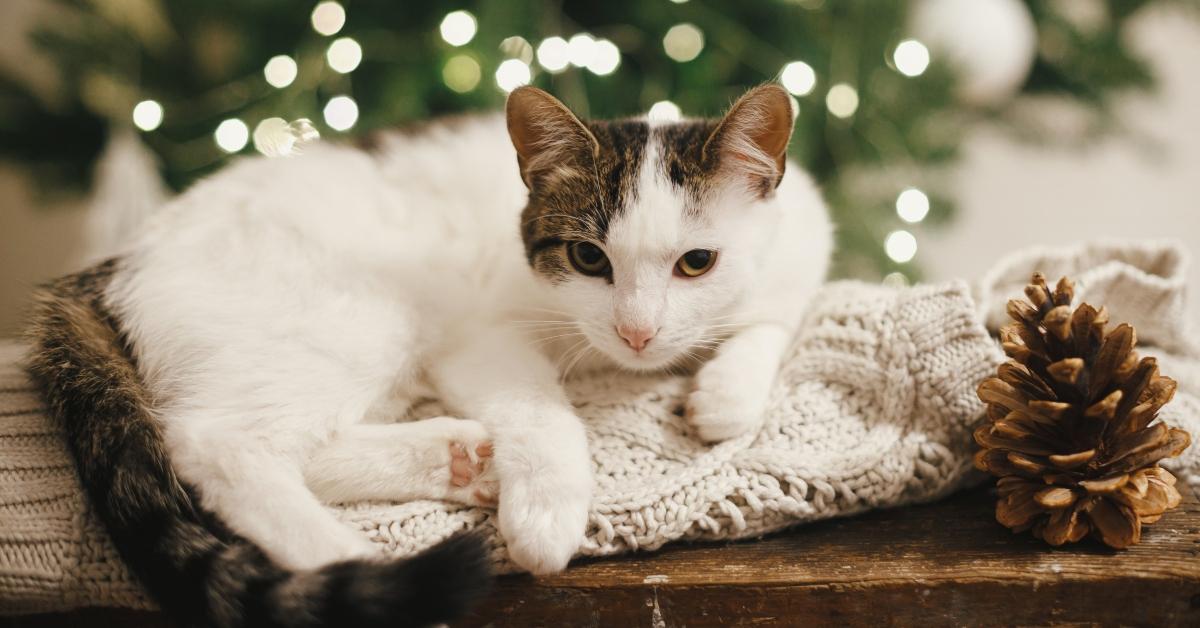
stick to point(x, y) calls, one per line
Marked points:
point(554, 54)
point(664, 111)
point(605, 58)
point(344, 55)
point(683, 42)
point(274, 137)
point(842, 100)
point(341, 112)
point(232, 135)
point(911, 57)
point(901, 246)
point(328, 18)
point(512, 74)
point(581, 48)
point(912, 205)
point(798, 78)
point(896, 280)
point(462, 73)
point(517, 47)
point(147, 115)
point(280, 71)
point(458, 27)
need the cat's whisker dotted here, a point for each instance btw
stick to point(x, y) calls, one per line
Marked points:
point(579, 356)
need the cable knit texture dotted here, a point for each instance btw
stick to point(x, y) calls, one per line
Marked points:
point(874, 407)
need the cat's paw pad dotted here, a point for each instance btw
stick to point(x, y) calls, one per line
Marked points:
point(471, 476)
point(722, 412)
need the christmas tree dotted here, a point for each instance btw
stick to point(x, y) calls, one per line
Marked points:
point(885, 89)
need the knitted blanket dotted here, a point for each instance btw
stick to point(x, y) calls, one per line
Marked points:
point(874, 407)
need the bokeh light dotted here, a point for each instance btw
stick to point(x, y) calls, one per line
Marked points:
point(554, 54)
point(344, 55)
point(512, 74)
point(147, 115)
point(232, 135)
point(842, 100)
point(911, 57)
point(280, 71)
point(328, 18)
point(798, 78)
point(900, 246)
point(683, 42)
point(912, 205)
point(664, 111)
point(605, 58)
point(341, 112)
point(462, 73)
point(458, 28)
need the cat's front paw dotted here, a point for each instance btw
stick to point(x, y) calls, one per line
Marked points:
point(726, 402)
point(543, 518)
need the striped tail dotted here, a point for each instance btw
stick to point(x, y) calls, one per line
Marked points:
point(199, 572)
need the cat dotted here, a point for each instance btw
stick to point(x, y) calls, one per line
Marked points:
point(251, 356)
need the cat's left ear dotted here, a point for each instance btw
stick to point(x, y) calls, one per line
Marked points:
point(751, 140)
point(546, 134)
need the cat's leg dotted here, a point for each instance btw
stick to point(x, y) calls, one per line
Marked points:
point(440, 458)
point(733, 388)
point(541, 455)
point(250, 475)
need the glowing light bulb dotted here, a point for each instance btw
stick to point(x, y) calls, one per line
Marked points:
point(344, 55)
point(911, 57)
point(280, 71)
point(517, 47)
point(605, 58)
point(912, 205)
point(901, 246)
point(462, 73)
point(683, 42)
point(147, 115)
point(581, 48)
point(232, 135)
point(458, 27)
point(512, 74)
point(798, 78)
point(896, 280)
point(341, 112)
point(554, 54)
point(842, 100)
point(664, 111)
point(328, 18)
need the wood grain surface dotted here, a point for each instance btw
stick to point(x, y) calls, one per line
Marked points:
point(944, 564)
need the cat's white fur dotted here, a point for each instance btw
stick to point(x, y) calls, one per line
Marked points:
point(286, 311)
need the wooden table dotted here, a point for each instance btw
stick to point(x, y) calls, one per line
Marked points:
point(944, 564)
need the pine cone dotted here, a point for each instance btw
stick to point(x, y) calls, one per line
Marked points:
point(1070, 427)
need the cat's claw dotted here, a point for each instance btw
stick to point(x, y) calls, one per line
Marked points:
point(471, 479)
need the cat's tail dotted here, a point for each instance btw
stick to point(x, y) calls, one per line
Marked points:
point(198, 572)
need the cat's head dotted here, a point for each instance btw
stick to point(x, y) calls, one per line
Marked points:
point(647, 233)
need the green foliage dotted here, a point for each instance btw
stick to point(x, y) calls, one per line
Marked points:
point(204, 62)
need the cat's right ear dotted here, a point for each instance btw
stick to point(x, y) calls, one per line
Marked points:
point(545, 133)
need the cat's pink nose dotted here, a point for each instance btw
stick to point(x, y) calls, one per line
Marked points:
point(636, 337)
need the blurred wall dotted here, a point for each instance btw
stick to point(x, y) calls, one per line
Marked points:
point(1146, 184)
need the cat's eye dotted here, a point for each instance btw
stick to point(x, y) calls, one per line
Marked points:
point(696, 262)
point(587, 258)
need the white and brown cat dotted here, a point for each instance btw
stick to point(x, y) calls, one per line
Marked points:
point(251, 355)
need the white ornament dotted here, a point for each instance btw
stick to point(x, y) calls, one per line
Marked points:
point(275, 137)
point(992, 44)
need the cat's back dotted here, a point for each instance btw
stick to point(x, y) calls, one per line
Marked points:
point(328, 245)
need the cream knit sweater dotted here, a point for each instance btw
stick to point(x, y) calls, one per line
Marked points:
point(874, 407)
